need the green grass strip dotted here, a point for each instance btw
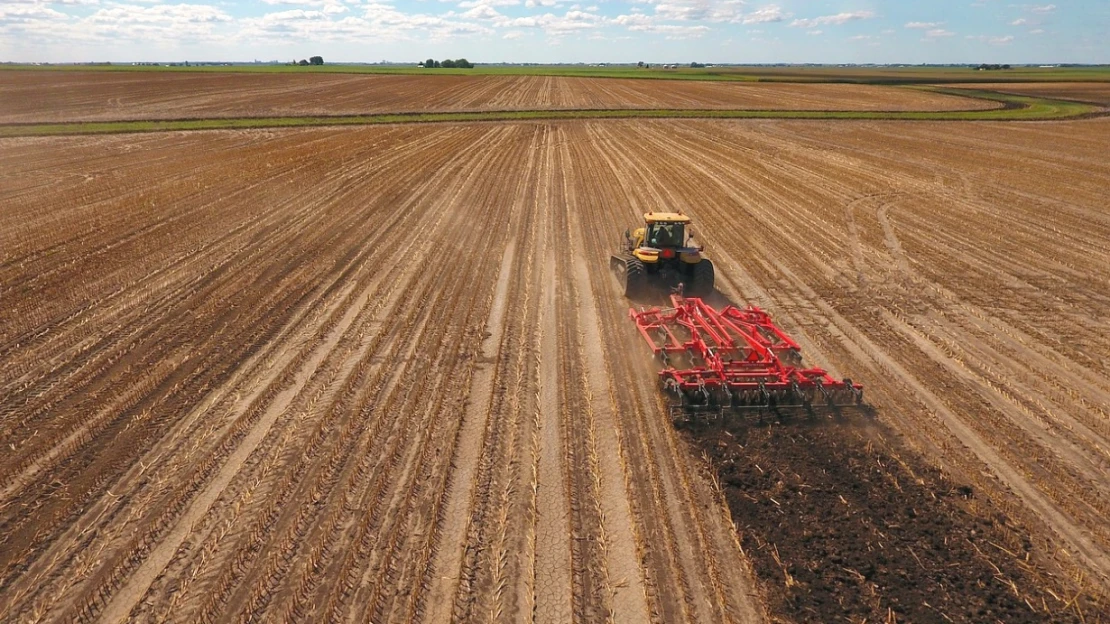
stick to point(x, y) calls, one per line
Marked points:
point(1014, 108)
point(1032, 107)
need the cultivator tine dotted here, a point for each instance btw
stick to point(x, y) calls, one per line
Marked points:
point(825, 393)
point(796, 393)
point(740, 361)
point(854, 392)
point(701, 395)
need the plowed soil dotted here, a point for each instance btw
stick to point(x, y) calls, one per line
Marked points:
point(841, 527)
point(1092, 92)
point(383, 374)
point(42, 96)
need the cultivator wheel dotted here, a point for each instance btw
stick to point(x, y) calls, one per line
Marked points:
point(732, 362)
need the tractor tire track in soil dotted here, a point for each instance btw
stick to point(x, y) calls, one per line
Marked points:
point(383, 374)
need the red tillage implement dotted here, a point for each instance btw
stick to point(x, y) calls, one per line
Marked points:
point(734, 359)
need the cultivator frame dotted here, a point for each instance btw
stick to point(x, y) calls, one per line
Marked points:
point(733, 360)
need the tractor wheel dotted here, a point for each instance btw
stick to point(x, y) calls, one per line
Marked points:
point(633, 277)
point(702, 285)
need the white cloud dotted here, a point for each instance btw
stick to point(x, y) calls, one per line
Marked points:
point(673, 31)
point(554, 25)
point(993, 40)
point(716, 12)
point(482, 11)
point(127, 29)
point(293, 15)
point(330, 7)
point(24, 12)
point(159, 14)
point(378, 21)
point(161, 25)
point(697, 11)
point(635, 19)
point(838, 19)
point(769, 13)
point(470, 4)
point(681, 12)
point(642, 23)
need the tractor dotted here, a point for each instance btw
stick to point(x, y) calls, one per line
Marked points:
point(663, 253)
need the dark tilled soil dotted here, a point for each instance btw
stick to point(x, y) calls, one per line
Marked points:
point(844, 525)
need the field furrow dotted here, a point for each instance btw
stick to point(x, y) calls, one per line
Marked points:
point(52, 96)
point(383, 373)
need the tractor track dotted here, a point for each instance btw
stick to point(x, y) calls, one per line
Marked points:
point(383, 373)
point(688, 586)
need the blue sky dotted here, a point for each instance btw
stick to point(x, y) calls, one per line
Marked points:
point(654, 31)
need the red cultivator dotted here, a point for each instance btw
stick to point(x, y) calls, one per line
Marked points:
point(734, 359)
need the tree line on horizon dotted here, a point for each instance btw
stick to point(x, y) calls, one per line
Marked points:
point(447, 63)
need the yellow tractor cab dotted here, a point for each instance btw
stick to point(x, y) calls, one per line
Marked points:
point(663, 253)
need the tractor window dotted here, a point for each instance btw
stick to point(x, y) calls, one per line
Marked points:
point(665, 235)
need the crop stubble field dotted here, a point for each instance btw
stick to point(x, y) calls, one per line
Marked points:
point(1093, 92)
point(382, 373)
point(52, 96)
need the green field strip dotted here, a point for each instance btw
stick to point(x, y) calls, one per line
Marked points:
point(1013, 108)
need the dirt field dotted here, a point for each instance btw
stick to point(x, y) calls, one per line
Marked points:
point(1093, 92)
point(30, 96)
point(842, 524)
point(382, 373)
